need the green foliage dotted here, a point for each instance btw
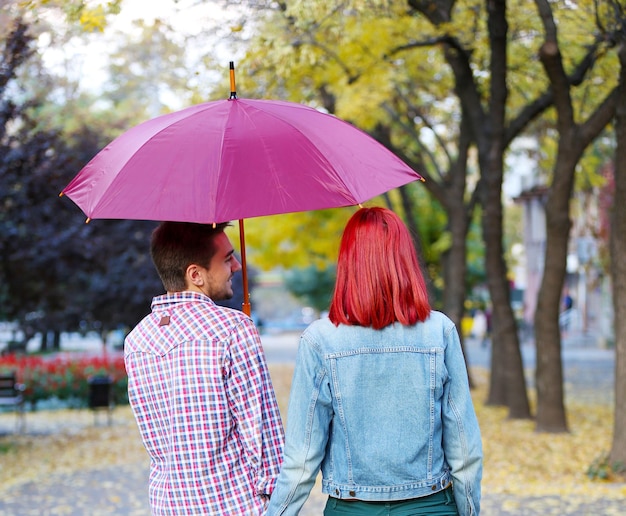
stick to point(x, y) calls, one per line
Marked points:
point(603, 469)
point(312, 285)
point(366, 57)
point(88, 15)
point(296, 239)
point(148, 72)
point(52, 262)
point(431, 222)
point(58, 273)
point(306, 240)
point(6, 447)
point(379, 63)
point(589, 172)
point(475, 253)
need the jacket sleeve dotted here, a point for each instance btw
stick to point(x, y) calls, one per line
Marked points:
point(254, 407)
point(309, 417)
point(461, 434)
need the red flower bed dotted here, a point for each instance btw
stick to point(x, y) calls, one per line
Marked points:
point(65, 376)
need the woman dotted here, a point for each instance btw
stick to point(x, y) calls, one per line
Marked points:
point(380, 397)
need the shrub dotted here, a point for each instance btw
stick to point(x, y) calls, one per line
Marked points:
point(603, 469)
point(65, 377)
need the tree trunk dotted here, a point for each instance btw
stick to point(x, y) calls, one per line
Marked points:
point(43, 346)
point(56, 341)
point(454, 271)
point(549, 370)
point(617, 455)
point(573, 139)
point(451, 194)
point(508, 383)
point(411, 217)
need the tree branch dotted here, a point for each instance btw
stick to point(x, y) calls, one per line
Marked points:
point(411, 131)
point(550, 57)
point(546, 99)
point(590, 129)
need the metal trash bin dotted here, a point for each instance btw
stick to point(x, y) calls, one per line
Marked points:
point(101, 395)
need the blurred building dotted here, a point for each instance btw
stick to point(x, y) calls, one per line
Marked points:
point(587, 280)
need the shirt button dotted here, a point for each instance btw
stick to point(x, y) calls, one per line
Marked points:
point(352, 493)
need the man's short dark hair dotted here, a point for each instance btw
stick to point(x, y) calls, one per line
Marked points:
point(176, 245)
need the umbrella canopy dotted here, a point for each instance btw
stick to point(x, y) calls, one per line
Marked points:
point(234, 159)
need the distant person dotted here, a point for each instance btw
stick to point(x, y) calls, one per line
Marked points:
point(380, 399)
point(199, 386)
point(568, 302)
point(488, 327)
point(566, 315)
point(479, 325)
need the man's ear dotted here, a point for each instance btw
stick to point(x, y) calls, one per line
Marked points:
point(193, 275)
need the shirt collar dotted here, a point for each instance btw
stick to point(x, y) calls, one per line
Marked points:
point(174, 298)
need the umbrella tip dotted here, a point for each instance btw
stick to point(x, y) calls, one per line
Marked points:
point(88, 220)
point(61, 194)
point(233, 90)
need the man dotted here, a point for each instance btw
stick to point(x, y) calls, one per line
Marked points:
point(198, 383)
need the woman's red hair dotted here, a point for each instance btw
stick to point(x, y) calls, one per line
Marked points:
point(379, 280)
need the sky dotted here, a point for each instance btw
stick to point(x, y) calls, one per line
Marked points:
point(85, 58)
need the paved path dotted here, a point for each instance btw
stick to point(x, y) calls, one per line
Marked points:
point(121, 490)
point(588, 370)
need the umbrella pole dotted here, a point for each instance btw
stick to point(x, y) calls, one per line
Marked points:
point(244, 271)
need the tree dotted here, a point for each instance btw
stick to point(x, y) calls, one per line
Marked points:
point(41, 261)
point(312, 285)
point(617, 455)
point(340, 65)
point(89, 16)
point(360, 64)
point(483, 124)
point(148, 70)
point(487, 118)
point(493, 129)
point(574, 137)
point(58, 273)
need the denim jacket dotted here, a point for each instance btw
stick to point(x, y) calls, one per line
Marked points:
point(386, 414)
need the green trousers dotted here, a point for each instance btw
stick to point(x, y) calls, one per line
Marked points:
point(438, 504)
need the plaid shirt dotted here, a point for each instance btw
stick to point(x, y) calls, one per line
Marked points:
point(202, 396)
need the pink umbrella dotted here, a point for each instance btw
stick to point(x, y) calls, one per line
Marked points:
point(234, 159)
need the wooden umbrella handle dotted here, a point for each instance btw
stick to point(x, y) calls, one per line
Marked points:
point(245, 307)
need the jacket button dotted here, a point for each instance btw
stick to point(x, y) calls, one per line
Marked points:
point(352, 493)
point(434, 488)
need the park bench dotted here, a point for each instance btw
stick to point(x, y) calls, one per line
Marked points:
point(13, 347)
point(12, 395)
